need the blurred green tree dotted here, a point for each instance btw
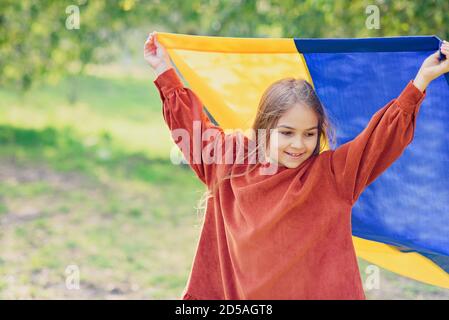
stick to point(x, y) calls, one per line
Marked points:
point(35, 42)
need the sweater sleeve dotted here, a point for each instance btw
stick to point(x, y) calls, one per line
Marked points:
point(357, 163)
point(189, 125)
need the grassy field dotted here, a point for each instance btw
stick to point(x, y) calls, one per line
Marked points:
point(85, 180)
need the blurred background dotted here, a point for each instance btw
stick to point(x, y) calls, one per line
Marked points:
point(90, 204)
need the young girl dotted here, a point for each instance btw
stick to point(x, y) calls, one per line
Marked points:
point(285, 235)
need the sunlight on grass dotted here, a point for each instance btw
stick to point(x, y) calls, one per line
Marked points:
point(129, 110)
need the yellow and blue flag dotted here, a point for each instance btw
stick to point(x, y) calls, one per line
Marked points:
point(401, 220)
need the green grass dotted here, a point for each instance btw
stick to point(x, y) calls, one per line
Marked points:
point(120, 231)
point(127, 110)
point(90, 183)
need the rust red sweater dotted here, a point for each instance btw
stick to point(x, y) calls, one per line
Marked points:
point(286, 235)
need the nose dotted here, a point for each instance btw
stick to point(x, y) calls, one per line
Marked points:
point(298, 144)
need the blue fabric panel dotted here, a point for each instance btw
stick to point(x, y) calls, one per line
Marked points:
point(392, 44)
point(408, 205)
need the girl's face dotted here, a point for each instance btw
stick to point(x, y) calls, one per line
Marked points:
point(297, 136)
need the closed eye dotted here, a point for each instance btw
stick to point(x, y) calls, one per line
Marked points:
point(289, 133)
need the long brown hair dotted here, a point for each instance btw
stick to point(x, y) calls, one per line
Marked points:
point(277, 99)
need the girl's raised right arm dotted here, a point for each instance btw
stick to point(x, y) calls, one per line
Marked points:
point(184, 115)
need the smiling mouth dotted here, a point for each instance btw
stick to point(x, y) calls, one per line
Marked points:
point(294, 155)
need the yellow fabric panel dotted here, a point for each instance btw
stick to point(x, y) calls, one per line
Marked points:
point(230, 74)
point(226, 44)
point(410, 264)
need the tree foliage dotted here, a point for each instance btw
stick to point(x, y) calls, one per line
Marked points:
point(34, 40)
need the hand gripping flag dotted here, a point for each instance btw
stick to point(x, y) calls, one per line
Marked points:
point(401, 221)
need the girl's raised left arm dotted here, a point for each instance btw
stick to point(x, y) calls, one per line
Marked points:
point(357, 163)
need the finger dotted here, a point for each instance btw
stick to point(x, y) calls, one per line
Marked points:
point(150, 36)
point(150, 44)
point(148, 47)
point(445, 50)
point(149, 51)
point(445, 66)
point(148, 40)
point(435, 55)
